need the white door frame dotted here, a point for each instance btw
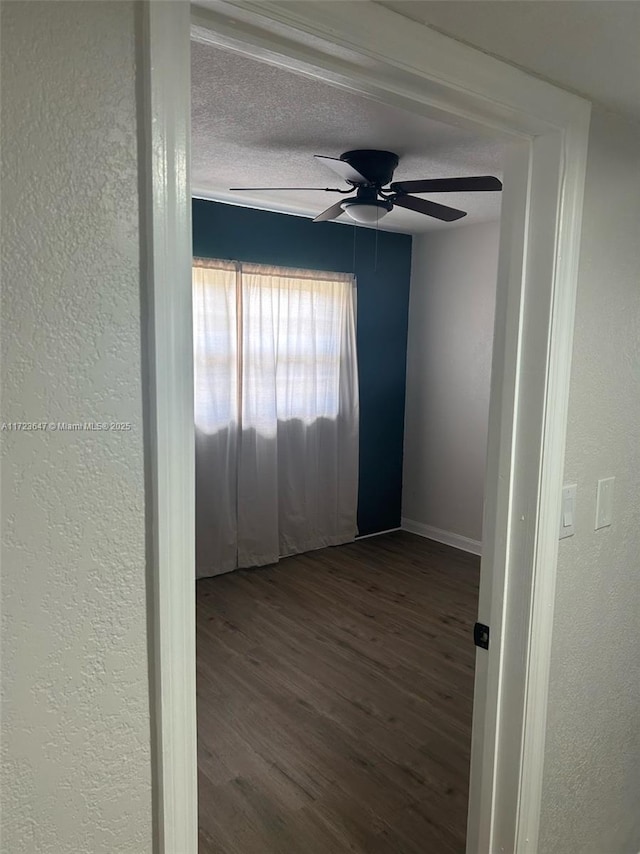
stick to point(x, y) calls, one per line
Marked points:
point(366, 48)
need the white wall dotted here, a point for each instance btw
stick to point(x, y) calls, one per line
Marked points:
point(591, 796)
point(451, 316)
point(75, 717)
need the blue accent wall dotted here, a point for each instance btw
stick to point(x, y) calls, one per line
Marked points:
point(244, 234)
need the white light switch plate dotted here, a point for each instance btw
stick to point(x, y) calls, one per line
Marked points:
point(568, 511)
point(604, 502)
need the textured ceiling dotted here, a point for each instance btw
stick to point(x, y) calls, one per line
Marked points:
point(592, 48)
point(255, 125)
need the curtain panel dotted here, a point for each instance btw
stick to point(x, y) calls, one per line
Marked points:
point(276, 412)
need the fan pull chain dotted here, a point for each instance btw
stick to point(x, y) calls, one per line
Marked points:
point(354, 248)
point(375, 254)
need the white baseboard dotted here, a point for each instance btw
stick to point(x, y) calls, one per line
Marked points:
point(466, 544)
point(377, 533)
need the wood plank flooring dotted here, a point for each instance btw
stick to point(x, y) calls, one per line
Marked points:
point(334, 701)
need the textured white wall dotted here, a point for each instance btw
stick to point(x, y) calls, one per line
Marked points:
point(591, 795)
point(75, 718)
point(451, 315)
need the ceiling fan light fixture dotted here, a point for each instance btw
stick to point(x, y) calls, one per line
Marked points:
point(366, 213)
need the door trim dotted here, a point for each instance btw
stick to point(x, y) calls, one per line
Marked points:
point(165, 217)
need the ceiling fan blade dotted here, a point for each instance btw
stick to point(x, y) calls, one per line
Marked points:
point(331, 213)
point(264, 189)
point(424, 206)
point(480, 183)
point(343, 169)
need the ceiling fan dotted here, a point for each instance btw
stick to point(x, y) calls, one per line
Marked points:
point(369, 172)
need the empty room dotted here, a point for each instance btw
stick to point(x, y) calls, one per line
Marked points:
point(334, 659)
point(343, 331)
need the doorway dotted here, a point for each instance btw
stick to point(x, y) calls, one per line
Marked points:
point(540, 227)
point(306, 668)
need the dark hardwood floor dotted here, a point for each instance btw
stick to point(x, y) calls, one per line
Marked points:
point(334, 701)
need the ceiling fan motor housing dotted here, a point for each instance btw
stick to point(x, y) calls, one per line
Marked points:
point(377, 166)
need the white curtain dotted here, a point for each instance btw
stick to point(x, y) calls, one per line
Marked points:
point(276, 411)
